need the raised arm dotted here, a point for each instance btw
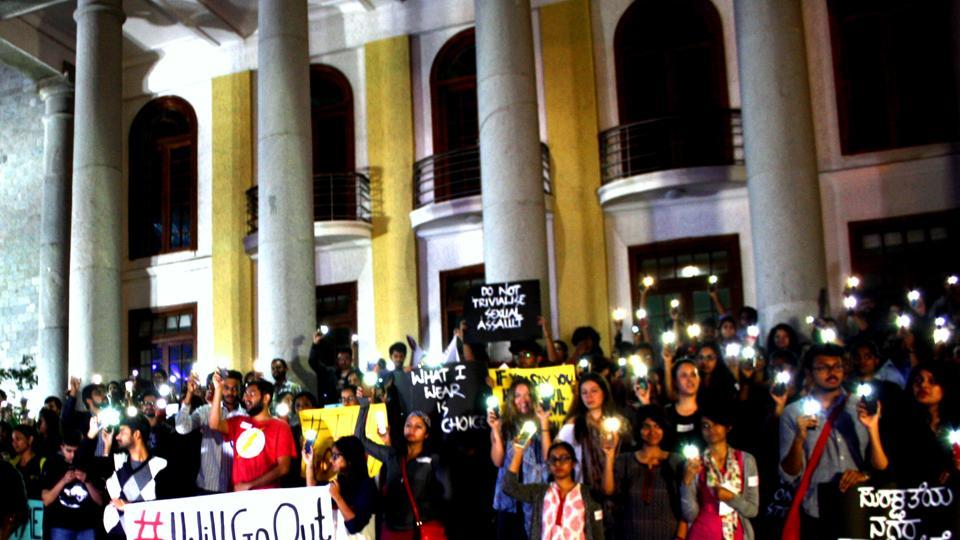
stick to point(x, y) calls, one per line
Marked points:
point(378, 451)
point(215, 422)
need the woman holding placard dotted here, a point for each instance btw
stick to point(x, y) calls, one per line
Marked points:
point(721, 489)
point(415, 486)
point(354, 493)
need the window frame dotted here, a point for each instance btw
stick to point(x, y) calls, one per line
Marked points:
point(143, 148)
point(453, 306)
point(135, 342)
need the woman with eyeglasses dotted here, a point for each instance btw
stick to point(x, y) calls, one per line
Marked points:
point(520, 406)
point(353, 492)
point(563, 508)
point(415, 485)
point(720, 489)
point(644, 485)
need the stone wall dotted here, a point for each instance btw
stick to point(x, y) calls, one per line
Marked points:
point(21, 176)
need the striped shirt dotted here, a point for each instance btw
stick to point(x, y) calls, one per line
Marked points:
point(216, 453)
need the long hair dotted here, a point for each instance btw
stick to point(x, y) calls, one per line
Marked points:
point(792, 335)
point(355, 474)
point(578, 411)
point(509, 413)
point(949, 407)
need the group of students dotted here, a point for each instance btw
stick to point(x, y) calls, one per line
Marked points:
point(689, 439)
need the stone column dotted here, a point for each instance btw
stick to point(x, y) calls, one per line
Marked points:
point(514, 211)
point(781, 159)
point(285, 273)
point(95, 234)
point(57, 97)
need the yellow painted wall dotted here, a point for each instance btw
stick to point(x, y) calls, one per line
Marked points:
point(571, 108)
point(232, 269)
point(391, 153)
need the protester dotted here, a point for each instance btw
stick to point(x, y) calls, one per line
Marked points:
point(72, 495)
point(53, 403)
point(563, 508)
point(415, 485)
point(923, 452)
point(583, 428)
point(49, 433)
point(264, 445)
point(14, 511)
point(348, 395)
point(28, 463)
point(720, 490)
point(353, 492)
point(644, 485)
point(716, 382)
point(216, 453)
point(137, 476)
point(852, 447)
point(684, 414)
point(281, 385)
point(518, 409)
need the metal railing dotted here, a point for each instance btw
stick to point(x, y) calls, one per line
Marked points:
point(456, 174)
point(672, 142)
point(336, 197)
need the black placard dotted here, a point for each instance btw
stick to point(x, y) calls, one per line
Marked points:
point(452, 395)
point(503, 311)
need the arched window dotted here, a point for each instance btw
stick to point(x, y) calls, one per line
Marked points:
point(331, 118)
point(163, 178)
point(672, 83)
point(895, 73)
point(453, 92)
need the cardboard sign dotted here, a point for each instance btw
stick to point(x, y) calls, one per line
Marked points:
point(452, 395)
point(335, 422)
point(33, 528)
point(562, 378)
point(502, 312)
point(276, 514)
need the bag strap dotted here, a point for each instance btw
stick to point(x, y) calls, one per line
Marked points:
point(791, 527)
point(406, 484)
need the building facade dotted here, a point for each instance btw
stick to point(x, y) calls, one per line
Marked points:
point(779, 146)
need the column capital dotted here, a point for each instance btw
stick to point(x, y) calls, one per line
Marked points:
point(111, 7)
point(54, 86)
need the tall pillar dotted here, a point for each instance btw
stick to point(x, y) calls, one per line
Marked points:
point(285, 271)
point(781, 159)
point(95, 234)
point(514, 211)
point(390, 151)
point(57, 98)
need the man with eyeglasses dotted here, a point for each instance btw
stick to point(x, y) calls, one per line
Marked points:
point(526, 354)
point(850, 447)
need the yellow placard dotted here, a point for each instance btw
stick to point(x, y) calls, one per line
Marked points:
point(333, 423)
point(562, 378)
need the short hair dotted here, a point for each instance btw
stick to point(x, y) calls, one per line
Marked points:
point(864, 342)
point(718, 411)
point(284, 394)
point(235, 375)
point(281, 360)
point(398, 347)
point(821, 349)
point(54, 399)
point(137, 423)
point(750, 313)
point(585, 332)
point(350, 387)
point(654, 413)
point(88, 390)
point(347, 350)
point(264, 386)
point(310, 397)
point(148, 392)
point(727, 318)
point(159, 371)
point(72, 437)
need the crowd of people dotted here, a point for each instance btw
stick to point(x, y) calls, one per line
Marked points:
point(700, 430)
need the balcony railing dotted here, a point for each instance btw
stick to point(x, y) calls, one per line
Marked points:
point(336, 197)
point(456, 174)
point(672, 142)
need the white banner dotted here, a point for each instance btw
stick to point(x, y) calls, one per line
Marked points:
point(268, 514)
